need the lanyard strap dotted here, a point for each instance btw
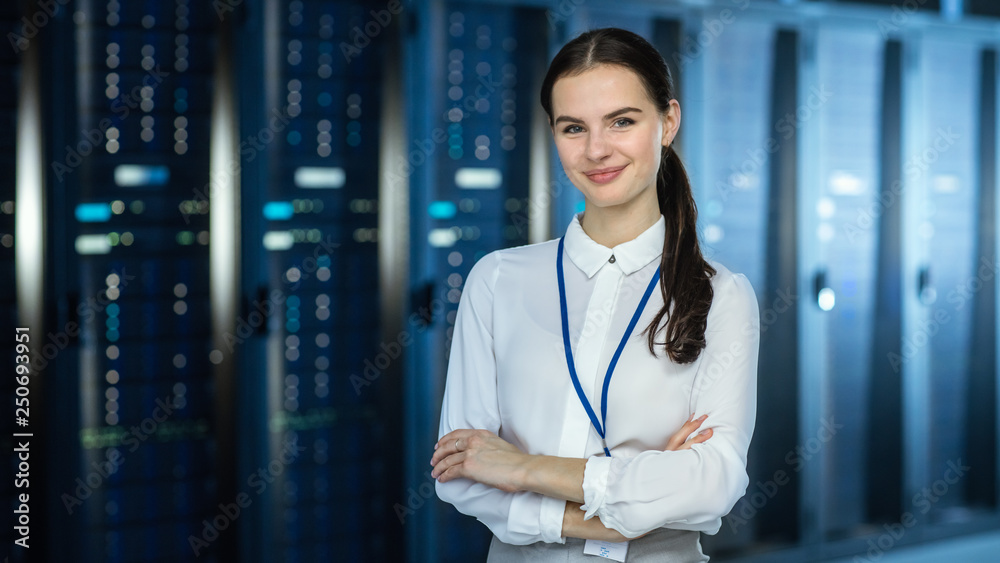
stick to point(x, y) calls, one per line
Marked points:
point(601, 428)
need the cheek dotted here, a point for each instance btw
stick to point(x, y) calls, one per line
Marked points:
point(567, 152)
point(646, 152)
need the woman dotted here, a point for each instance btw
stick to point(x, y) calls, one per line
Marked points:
point(538, 441)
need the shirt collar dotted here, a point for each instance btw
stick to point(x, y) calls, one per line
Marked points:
point(630, 256)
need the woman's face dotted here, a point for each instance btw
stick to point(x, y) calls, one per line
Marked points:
point(609, 134)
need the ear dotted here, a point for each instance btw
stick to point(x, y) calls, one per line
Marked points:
point(671, 123)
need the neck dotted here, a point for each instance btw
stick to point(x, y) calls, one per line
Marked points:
point(611, 226)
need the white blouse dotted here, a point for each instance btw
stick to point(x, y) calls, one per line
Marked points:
point(508, 374)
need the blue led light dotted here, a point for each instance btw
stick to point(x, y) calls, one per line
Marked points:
point(112, 322)
point(278, 210)
point(441, 210)
point(293, 302)
point(112, 310)
point(93, 212)
point(141, 175)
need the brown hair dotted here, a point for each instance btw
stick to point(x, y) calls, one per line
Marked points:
point(685, 275)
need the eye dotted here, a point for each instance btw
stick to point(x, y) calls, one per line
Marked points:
point(572, 129)
point(623, 122)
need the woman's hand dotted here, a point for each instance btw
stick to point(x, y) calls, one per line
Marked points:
point(678, 440)
point(479, 455)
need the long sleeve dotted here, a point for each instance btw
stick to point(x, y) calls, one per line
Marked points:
point(470, 401)
point(693, 489)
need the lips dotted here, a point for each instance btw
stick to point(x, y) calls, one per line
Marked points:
point(604, 175)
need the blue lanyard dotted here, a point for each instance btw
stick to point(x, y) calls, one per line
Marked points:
point(602, 425)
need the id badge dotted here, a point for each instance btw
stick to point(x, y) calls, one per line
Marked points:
point(606, 549)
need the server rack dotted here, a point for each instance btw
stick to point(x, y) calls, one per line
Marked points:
point(135, 475)
point(474, 85)
point(942, 168)
point(318, 374)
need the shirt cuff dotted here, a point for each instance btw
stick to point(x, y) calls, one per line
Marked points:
point(551, 520)
point(535, 515)
point(595, 484)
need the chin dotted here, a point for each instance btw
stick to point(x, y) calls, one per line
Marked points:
point(607, 202)
point(609, 195)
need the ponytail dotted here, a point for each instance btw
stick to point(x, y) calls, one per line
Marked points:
point(685, 276)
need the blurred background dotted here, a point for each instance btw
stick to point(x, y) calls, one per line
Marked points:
point(238, 232)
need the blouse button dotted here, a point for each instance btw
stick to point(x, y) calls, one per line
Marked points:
point(612, 259)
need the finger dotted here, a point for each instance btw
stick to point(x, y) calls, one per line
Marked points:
point(694, 423)
point(450, 438)
point(444, 449)
point(685, 430)
point(449, 468)
point(698, 438)
point(691, 425)
point(446, 445)
point(447, 463)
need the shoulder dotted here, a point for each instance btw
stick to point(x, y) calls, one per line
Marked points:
point(732, 294)
point(514, 262)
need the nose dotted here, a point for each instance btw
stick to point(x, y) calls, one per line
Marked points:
point(597, 146)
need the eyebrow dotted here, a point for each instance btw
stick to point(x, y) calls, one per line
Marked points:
point(611, 115)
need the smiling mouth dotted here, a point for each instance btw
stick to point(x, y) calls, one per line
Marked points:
point(604, 175)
